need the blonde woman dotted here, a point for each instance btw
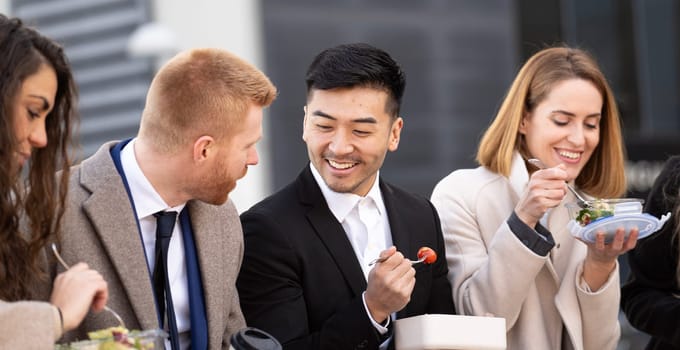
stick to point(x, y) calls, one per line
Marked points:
point(508, 249)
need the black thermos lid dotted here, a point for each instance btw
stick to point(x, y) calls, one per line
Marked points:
point(254, 339)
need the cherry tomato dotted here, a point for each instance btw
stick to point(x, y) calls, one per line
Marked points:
point(429, 255)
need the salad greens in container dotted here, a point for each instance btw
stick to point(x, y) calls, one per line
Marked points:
point(119, 338)
point(598, 209)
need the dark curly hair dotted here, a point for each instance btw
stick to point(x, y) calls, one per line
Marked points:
point(38, 196)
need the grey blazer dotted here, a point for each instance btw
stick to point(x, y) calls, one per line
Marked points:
point(100, 229)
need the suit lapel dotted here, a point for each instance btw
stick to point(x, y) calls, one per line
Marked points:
point(399, 228)
point(330, 231)
point(111, 215)
point(209, 238)
point(398, 225)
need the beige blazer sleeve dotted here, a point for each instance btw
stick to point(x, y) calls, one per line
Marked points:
point(599, 311)
point(478, 244)
point(28, 325)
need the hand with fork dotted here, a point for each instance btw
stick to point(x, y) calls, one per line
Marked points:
point(389, 285)
point(75, 291)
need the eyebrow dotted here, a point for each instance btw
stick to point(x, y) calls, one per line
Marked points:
point(573, 115)
point(46, 105)
point(369, 120)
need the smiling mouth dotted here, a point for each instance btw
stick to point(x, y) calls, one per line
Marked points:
point(569, 155)
point(341, 165)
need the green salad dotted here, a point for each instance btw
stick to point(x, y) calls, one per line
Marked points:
point(598, 210)
point(115, 338)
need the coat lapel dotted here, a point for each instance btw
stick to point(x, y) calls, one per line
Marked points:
point(209, 240)
point(558, 220)
point(330, 231)
point(110, 212)
point(519, 179)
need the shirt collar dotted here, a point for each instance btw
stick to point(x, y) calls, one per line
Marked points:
point(147, 200)
point(341, 204)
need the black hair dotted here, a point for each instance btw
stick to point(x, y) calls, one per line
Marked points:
point(358, 65)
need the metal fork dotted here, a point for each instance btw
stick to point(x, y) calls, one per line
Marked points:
point(580, 201)
point(66, 266)
point(379, 260)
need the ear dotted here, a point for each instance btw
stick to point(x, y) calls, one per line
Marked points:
point(523, 123)
point(304, 124)
point(203, 148)
point(395, 134)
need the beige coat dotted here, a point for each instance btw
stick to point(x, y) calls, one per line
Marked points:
point(28, 325)
point(100, 229)
point(493, 273)
point(33, 324)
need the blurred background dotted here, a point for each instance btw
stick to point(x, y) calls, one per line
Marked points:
point(459, 56)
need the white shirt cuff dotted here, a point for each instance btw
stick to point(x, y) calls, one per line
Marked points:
point(380, 328)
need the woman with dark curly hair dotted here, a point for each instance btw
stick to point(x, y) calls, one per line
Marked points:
point(37, 111)
point(651, 296)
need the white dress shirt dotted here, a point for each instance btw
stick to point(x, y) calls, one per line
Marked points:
point(366, 224)
point(147, 202)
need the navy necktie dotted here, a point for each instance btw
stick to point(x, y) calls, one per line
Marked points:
point(165, 223)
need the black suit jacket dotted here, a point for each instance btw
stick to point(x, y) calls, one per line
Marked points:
point(301, 281)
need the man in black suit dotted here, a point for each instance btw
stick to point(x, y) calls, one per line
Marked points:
point(307, 276)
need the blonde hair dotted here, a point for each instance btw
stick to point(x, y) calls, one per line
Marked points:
point(604, 174)
point(201, 92)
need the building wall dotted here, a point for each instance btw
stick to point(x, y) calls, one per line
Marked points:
point(459, 56)
point(112, 85)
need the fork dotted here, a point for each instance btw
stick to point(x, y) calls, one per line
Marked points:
point(580, 201)
point(379, 260)
point(66, 266)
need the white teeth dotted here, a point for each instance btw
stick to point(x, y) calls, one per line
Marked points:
point(337, 165)
point(572, 155)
